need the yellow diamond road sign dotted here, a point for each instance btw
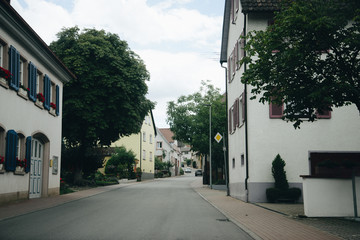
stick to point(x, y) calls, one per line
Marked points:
point(218, 137)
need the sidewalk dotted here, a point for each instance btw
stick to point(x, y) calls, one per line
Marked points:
point(262, 222)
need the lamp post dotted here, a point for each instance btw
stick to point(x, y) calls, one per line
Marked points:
point(209, 105)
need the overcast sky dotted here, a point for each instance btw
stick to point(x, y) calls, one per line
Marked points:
point(179, 40)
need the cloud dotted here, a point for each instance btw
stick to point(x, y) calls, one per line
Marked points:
point(178, 45)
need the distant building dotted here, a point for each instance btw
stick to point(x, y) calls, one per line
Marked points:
point(143, 145)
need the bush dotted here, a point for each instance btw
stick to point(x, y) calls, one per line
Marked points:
point(293, 193)
point(194, 164)
point(279, 173)
point(121, 163)
point(181, 171)
point(273, 194)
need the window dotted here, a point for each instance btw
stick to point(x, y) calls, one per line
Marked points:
point(150, 139)
point(144, 155)
point(3, 55)
point(21, 72)
point(276, 111)
point(159, 145)
point(230, 115)
point(150, 157)
point(20, 146)
point(32, 81)
point(242, 160)
point(233, 163)
point(14, 68)
point(241, 107)
point(234, 10)
point(11, 150)
point(47, 92)
point(144, 136)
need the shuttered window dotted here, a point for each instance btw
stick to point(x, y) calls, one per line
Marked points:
point(11, 153)
point(57, 100)
point(32, 81)
point(47, 92)
point(276, 111)
point(14, 67)
point(28, 154)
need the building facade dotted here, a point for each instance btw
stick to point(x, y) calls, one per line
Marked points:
point(30, 111)
point(256, 131)
point(143, 145)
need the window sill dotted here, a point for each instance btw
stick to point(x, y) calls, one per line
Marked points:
point(23, 93)
point(52, 112)
point(2, 168)
point(39, 104)
point(4, 83)
point(19, 171)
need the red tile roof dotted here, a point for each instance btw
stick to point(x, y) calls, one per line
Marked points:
point(168, 134)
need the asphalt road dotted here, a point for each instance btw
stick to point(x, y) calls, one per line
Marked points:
point(161, 209)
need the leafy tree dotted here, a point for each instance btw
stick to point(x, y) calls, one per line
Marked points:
point(121, 163)
point(308, 59)
point(107, 100)
point(188, 118)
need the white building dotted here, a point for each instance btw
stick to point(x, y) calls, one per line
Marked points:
point(30, 130)
point(256, 131)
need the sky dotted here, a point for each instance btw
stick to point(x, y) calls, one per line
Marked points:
point(178, 40)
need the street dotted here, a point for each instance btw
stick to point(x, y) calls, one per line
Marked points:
point(161, 209)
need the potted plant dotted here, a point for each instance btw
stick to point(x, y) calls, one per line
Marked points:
point(52, 107)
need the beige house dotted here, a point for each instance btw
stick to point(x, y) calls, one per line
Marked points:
point(143, 145)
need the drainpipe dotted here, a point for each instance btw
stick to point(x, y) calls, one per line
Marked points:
point(246, 125)
point(226, 135)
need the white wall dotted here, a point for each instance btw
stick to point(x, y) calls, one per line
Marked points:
point(324, 197)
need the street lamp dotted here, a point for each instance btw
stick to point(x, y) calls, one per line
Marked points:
point(209, 105)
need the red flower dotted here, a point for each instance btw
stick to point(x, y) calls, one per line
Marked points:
point(20, 163)
point(4, 73)
point(2, 160)
point(41, 97)
point(53, 105)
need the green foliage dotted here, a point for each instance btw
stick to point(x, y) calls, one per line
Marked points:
point(107, 99)
point(188, 162)
point(273, 194)
point(279, 173)
point(188, 118)
point(316, 64)
point(194, 164)
point(121, 163)
point(181, 171)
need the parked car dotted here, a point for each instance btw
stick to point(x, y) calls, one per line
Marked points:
point(187, 170)
point(198, 173)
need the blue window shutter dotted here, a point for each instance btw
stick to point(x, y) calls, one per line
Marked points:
point(47, 92)
point(32, 82)
point(57, 100)
point(28, 154)
point(14, 63)
point(11, 146)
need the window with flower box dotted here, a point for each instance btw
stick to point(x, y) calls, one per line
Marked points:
point(18, 151)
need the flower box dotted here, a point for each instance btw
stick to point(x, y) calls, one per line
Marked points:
point(19, 170)
point(52, 112)
point(2, 168)
point(23, 93)
point(39, 104)
point(3, 82)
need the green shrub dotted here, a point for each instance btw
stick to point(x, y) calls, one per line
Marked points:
point(279, 173)
point(273, 194)
point(121, 163)
point(194, 164)
point(181, 171)
point(293, 193)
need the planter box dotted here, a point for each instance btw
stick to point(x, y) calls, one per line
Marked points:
point(19, 171)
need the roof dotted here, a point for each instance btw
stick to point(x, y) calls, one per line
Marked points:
point(33, 35)
point(259, 5)
point(168, 134)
